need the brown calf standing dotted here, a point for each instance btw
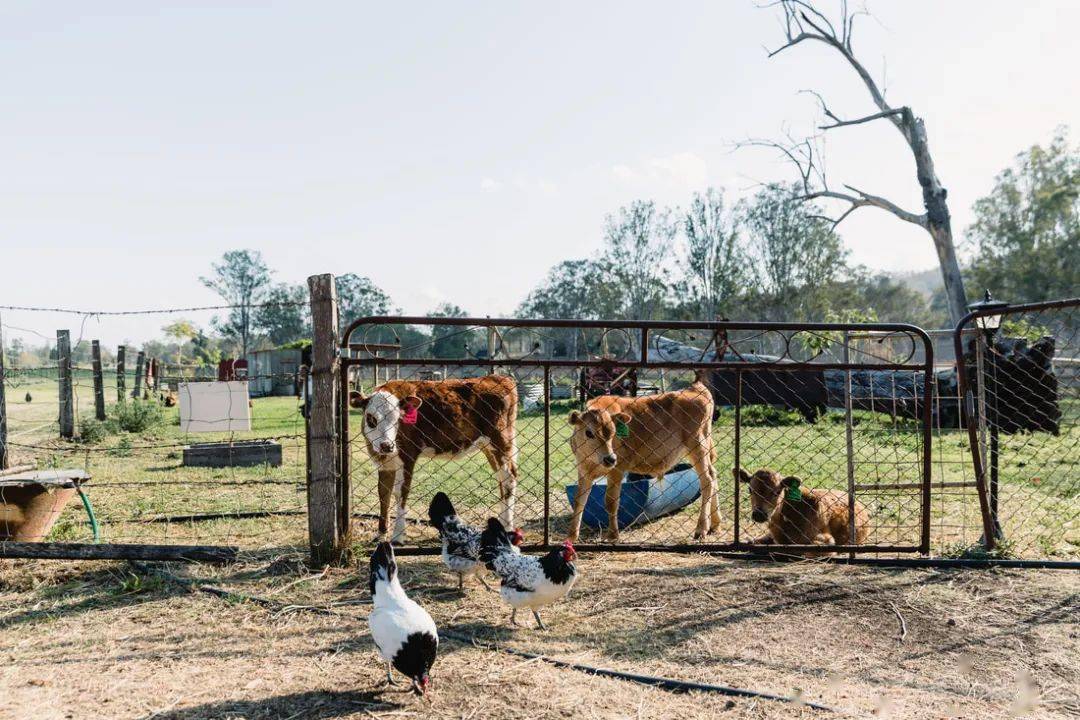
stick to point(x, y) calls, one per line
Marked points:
point(657, 432)
point(797, 516)
point(405, 420)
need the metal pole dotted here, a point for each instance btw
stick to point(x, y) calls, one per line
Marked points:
point(3, 407)
point(738, 449)
point(849, 440)
point(547, 455)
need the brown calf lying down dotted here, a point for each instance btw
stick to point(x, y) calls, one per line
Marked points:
point(405, 420)
point(798, 516)
point(616, 435)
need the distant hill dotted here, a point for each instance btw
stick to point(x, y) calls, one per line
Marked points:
point(925, 282)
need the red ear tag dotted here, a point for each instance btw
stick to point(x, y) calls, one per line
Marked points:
point(410, 415)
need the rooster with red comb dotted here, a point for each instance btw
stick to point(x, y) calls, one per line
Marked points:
point(527, 581)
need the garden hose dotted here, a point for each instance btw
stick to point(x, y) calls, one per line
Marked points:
point(675, 686)
point(89, 513)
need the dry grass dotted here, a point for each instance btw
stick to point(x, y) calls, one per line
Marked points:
point(104, 640)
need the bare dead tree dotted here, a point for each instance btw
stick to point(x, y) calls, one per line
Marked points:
point(803, 23)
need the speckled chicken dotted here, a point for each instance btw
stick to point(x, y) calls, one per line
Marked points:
point(460, 541)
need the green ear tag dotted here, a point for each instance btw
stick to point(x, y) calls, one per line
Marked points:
point(794, 493)
point(622, 429)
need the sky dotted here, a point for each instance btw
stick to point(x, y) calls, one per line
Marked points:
point(456, 151)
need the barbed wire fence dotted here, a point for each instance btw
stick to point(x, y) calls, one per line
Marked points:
point(104, 426)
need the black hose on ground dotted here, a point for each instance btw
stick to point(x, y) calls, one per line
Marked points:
point(676, 686)
point(669, 684)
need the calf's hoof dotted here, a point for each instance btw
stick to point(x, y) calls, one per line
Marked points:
point(611, 534)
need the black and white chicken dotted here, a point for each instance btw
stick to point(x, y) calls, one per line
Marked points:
point(527, 581)
point(460, 541)
point(404, 632)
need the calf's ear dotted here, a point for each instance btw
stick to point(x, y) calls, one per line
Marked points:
point(357, 399)
point(574, 417)
point(412, 402)
point(622, 417)
point(741, 475)
point(791, 481)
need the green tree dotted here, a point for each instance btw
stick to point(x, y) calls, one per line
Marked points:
point(576, 290)
point(451, 341)
point(242, 280)
point(285, 314)
point(638, 245)
point(180, 331)
point(205, 349)
point(794, 253)
point(1027, 230)
point(360, 297)
point(713, 261)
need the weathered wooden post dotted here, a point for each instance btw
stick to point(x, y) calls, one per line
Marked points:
point(99, 380)
point(140, 372)
point(3, 408)
point(324, 530)
point(121, 382)
point(67, 401)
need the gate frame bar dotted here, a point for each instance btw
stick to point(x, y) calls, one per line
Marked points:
point(926, 367)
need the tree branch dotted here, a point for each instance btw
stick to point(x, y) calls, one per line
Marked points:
point(865, 199)
point(800, 26)
point(876, 116)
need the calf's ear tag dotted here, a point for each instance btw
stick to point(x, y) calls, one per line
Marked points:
point(622, 429)
point(794, 492)
point(410, 415)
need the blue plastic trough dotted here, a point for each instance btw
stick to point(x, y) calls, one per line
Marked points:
point(643, 498)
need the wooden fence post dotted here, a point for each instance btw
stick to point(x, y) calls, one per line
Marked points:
point(99, 380)
point(121, 381)
point(67, 401)
point(140, 372)
point(324, 530)
point(3, 408)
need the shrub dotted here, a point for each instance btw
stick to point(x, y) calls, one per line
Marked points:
point(761, 416)
point(92, 431)
point(137, 416)
point(122, 449)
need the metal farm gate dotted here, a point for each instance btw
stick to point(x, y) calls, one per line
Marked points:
point(1019, 372)
point(844, 407)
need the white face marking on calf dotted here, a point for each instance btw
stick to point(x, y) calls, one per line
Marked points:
point(381, 416)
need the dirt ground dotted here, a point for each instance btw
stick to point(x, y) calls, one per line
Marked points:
point(109, 640)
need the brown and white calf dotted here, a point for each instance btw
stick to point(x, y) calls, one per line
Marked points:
point(799, 516)
point(660, 430)
point(405, 420)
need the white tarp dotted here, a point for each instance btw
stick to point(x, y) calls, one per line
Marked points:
point(214, 406)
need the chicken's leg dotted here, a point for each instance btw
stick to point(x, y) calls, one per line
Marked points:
point(513, 617)
point(460, 581)
point(480, 577)
point(539, 622)
point(389, 676)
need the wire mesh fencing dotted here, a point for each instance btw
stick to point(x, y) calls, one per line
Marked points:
point(128, 472)
point(636, 440)
point(1021, 367)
